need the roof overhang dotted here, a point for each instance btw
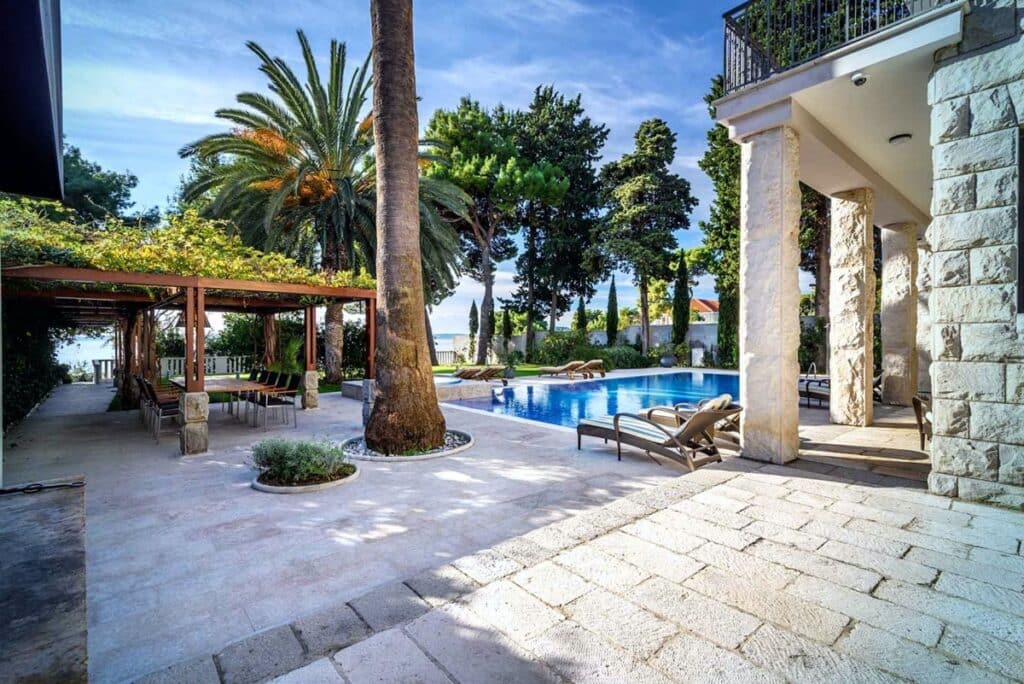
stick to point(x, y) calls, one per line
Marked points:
point(32, 119)
point(844, 130)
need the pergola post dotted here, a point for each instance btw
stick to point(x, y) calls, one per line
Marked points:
point(371, 337)
point(194, 403)
point(311, 379)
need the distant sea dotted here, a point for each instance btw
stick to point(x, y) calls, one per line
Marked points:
point(84, 349)
point(443, 341)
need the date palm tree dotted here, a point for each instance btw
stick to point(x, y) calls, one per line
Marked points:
point(296, 174)
point(405, 415)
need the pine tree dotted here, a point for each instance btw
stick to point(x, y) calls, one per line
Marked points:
point(681, 301)
point(612, 318)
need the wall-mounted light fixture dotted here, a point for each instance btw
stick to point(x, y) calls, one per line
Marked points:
point(900, 139)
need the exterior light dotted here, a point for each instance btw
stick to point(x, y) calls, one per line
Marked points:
point(859, 79)
point(900, 139)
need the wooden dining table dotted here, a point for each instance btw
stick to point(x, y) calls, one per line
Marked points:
point(232, 386)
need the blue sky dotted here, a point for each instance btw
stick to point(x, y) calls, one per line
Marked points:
point(143, 78)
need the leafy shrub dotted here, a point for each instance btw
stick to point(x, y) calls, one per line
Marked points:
point(562, 347)
point(30, 368)
point(623, 357)
point(682, 352)
point(289, 462)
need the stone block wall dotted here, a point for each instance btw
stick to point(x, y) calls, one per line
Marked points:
point(976, 92)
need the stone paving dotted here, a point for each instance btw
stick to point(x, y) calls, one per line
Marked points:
point(738, 572)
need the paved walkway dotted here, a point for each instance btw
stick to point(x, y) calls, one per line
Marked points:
point(738, 572)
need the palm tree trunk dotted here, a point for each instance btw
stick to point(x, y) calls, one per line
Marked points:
point(405, 416)
point(269, 340)
point(486, 306)
point(333, 259)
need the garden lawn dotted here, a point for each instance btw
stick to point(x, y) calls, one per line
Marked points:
point(523, 370)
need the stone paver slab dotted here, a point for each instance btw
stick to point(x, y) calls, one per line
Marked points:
point(389, 656)
point(441, 585)
point(389, 605)
point(582, 656)
point(552, 584)
point(994, 654)
point(1009, 600)
point(600, 568)
point(317, 672)
point(712, 620)
point(954, 610)
point(551, 538)
point(735, 539)
point(922, 511)
point(711, 513)
point(891, 547)
point(1000, 577)
point(805, 661)
point(638, 631)
point(751, 567)
point(860, 606)
point(512, 610)
point(329, 630)
point(195, 671)
point(816, 564)
point(689, 659)
point(879, 515)
point(472, 650)
point(486, 566)
point(712, 498)
point(904, 569)
point(670, 538)
point(784, 535)
point(524, 551)
point(905, 658)
point(1006, 561)
point(783, 609)
point(1006, 542)
point(650, 557)
point(264, 654)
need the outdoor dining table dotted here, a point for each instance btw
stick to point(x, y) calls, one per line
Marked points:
point(231, 386)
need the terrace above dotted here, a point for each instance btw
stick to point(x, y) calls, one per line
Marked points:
point(766, 37)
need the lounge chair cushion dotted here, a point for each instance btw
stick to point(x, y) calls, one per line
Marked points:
point(636, 427)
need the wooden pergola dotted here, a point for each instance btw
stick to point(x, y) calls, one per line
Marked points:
point(129, 300)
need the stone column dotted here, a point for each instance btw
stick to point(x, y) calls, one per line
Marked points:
point(310, 391)
point(852, 307)
point(924, 318)
point(899, 313)
point(194, 434)
point(769, 331)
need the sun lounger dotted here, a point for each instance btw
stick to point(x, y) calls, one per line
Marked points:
point(568, 369)
point(491, 373)
point(676, 415)
point(588, 369)
point(692, 443)
point(816, 390)
point(468, 373)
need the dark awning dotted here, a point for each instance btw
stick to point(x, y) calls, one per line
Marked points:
point(31, 158)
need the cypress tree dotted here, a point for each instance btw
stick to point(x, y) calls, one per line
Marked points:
point(580, 320)
point(612, 318)
point(681, 301)
point(474, 327)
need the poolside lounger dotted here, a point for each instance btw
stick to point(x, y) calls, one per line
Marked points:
point(467, 373)
point(590, 368)
point(491, 373)
point(568, 369)
point(691, 443)
point(674, 416)
point(817, 390)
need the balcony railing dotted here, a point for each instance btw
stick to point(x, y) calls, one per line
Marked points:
point(765, 37)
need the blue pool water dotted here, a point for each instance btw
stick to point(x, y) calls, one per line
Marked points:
point(566, 404)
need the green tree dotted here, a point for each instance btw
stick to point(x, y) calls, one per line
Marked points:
point(681, 300)
point(470, 149)
point(561, 254)
point(646, 204)
point(579, 320)
point(296, 174)
point(474, 327)
point(658, 298)
point(96, 194)
point(506, 329)
point(612, 317)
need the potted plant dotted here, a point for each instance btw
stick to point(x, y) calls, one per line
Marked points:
point(293, 466)
point(512, 359)
point(665, 356)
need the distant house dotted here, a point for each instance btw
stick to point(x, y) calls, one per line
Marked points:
point(706, 309)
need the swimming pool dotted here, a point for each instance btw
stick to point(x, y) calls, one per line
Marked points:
point(566, 404)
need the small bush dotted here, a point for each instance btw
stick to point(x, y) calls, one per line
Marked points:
point(623, 357)
point(682, 352)
point(286, 462)
point(562, 347)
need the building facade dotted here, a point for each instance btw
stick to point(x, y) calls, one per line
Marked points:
point(908, 115)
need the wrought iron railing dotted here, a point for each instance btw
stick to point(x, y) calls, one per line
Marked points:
point(765, 37)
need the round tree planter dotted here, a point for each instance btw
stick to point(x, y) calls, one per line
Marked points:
point(357, 454)
point(302, 489)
